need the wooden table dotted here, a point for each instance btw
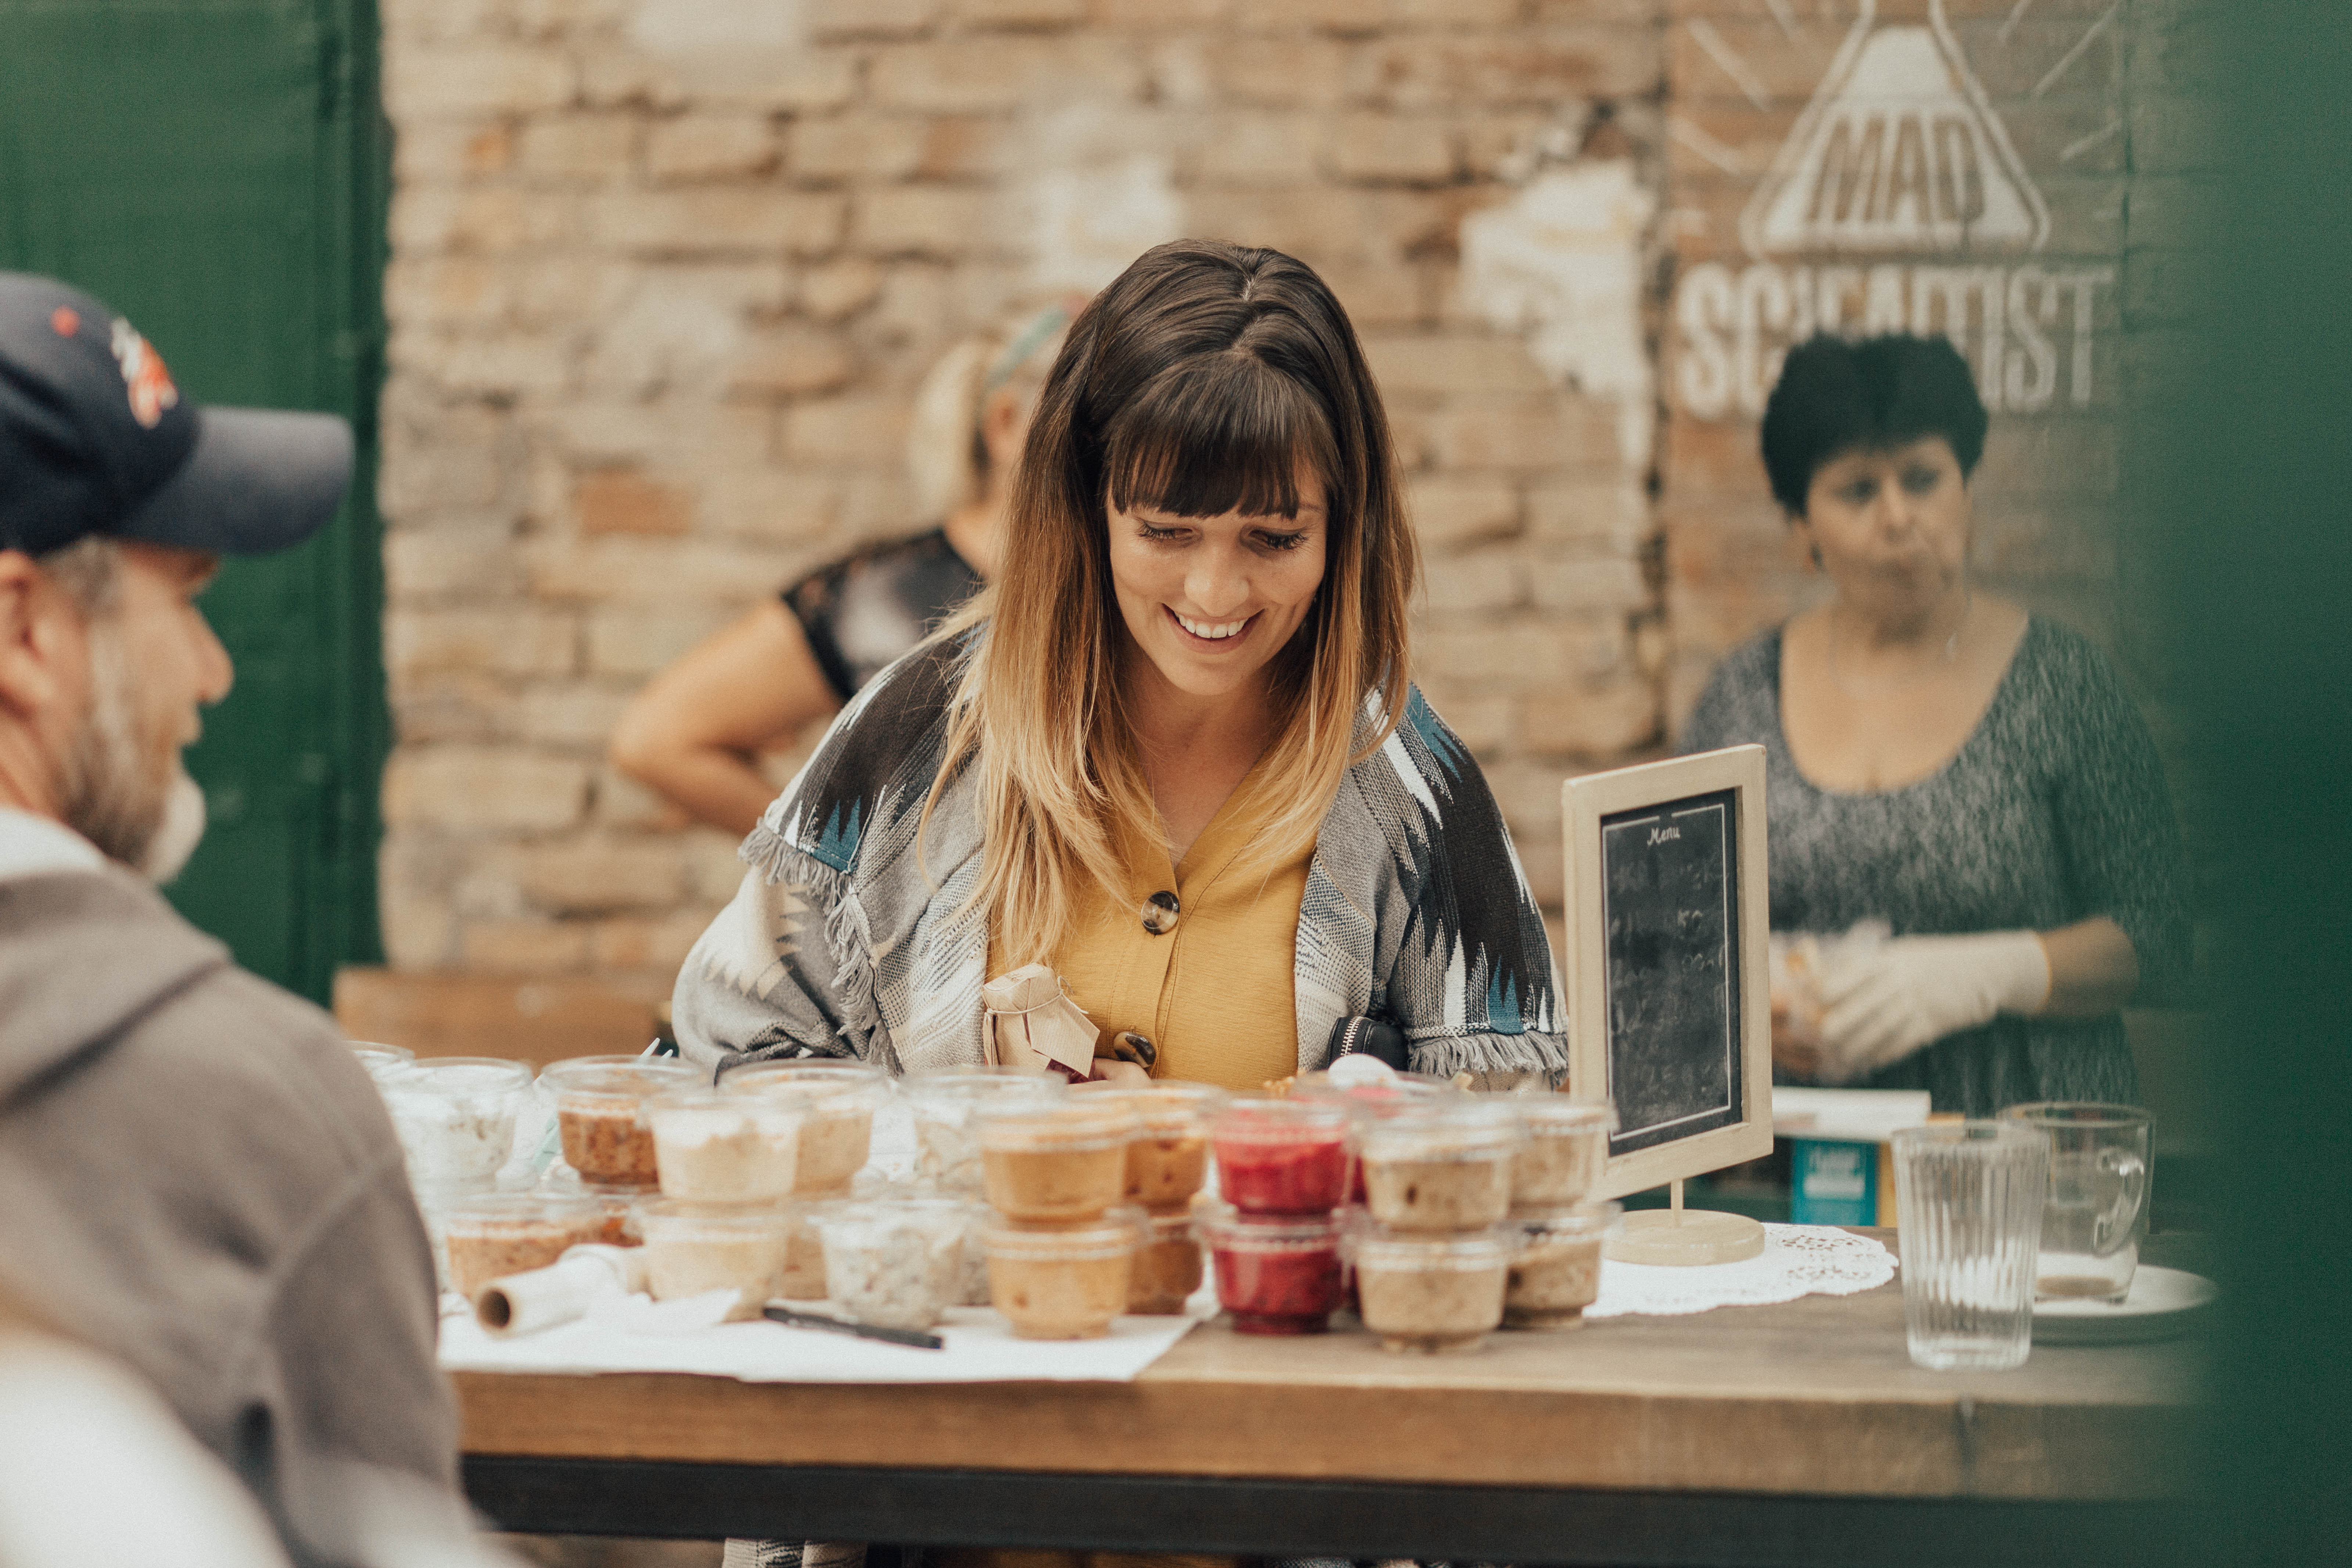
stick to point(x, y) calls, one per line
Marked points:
point(1798, 1434)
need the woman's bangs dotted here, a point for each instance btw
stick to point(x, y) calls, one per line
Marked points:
point(1224, 433)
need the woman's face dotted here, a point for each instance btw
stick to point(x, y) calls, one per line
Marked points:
point(1891, 526)
point(1211, 600)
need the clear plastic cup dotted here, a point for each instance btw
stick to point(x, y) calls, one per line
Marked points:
point(1431, 1292)
point(727, 1148)
point(1566, 1152)
point(1557, 1272)
point(1168, 1270)
point(600, 1109)
point(498, 1234)
point(1442, 1167)
point(1969, 1197)
point(1168, 1160)
point(1045, 1162)
point(840, 1097)
point(1281, 1156)
point(940, 1104)
point(1276, 1274)
point(380, 1058)
point(692, 1247)
point(455, 1115)
point(1064, 1282)
point(897, 1263)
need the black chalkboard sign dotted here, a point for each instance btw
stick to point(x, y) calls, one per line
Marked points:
point(1669, 1006)
point(1670, 888)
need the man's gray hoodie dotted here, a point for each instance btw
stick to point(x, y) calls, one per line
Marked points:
point(197, 1177)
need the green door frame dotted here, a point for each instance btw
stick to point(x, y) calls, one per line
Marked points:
point(220, 170)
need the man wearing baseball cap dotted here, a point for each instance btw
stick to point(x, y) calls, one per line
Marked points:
point(197, 1176)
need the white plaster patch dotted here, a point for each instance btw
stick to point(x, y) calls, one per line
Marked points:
point(1093, 202)
point(1561, 264)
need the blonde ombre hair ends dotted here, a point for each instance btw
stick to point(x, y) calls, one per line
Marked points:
point(1199, 383)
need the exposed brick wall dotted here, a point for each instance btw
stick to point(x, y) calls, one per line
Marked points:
point(665, 274)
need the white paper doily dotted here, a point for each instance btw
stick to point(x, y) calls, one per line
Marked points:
point(1797, 1260)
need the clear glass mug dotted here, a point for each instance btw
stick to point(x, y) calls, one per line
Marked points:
point(2093, 1217)
point(1971, 1198)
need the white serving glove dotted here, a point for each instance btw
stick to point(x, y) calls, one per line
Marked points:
point(1909, 991)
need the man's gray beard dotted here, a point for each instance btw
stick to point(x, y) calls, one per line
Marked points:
point(113, 793)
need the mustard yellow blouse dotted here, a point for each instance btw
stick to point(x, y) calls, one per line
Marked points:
point(1214, 992)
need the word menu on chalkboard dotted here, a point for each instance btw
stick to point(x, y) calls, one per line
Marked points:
point(1669, 1006)
point(1670, 877)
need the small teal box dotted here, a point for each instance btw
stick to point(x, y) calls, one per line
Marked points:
point(1833, 1182)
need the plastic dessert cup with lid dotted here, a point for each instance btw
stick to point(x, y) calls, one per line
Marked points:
point(947, 1145)
point(1557, 1272)
point(897, 1263)
point(498, 1234)
point(1168, 1270)
point(600, 1109)
point(1168, 1159)
point(1066, 1282)
point(840, 1098)
point(1442, 1168)
point(1044, 1162)
point(378, 1059)
point(1565, 1152)
point(1431, 1292)
point(692, 1247)
point(455, 1115)
point(1281, 1156)
point(725, 1148)
point(1276, 1276)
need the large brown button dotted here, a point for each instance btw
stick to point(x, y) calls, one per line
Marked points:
point(1159, 912)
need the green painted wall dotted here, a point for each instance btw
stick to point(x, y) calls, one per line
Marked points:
point(217, 171)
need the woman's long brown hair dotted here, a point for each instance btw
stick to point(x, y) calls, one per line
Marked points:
point(1199, 383)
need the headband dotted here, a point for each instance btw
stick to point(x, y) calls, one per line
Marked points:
point(1051, 319)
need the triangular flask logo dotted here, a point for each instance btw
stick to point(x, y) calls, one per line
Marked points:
point(1899, 151)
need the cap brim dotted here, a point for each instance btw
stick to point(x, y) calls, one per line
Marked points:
point(257, 479)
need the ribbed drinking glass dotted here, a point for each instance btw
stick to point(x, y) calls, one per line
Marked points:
point(1970, 1198)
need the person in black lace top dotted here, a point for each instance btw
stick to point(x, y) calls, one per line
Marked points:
point(698, 730)
point(1976, 777)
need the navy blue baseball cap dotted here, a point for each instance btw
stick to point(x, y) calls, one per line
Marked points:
point(96, 440)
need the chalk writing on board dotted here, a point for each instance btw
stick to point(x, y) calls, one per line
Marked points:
point(1670, 900)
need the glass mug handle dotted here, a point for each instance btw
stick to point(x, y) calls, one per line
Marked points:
point(2115, 1221)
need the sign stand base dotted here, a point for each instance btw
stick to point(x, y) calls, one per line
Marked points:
point(1681, 1238)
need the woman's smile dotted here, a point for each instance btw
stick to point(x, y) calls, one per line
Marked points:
point(1210, 601)
point(1211, 632)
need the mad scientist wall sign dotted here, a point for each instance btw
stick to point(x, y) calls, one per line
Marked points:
point(1896, 165)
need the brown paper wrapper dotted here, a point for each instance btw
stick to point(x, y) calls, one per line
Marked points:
point(1034, 1025)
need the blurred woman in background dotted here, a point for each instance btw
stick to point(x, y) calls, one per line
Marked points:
point(1974, 776)
point(698, 730)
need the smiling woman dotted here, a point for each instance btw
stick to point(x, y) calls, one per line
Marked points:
point(1173, 751)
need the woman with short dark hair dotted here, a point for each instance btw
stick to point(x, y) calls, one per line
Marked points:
point(1974, 776)
point(1173, 751)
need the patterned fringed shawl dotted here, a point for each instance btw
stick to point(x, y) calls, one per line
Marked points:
point(839, 944)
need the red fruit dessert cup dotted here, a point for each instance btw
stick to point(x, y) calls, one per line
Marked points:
point(1276, 1276)
point(1281, 1156)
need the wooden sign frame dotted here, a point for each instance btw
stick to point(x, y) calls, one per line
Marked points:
point(1589, 804)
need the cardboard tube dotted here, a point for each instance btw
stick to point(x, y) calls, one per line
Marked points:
point(561, 1292)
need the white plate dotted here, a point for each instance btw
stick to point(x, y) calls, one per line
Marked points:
point(2163, 1302)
